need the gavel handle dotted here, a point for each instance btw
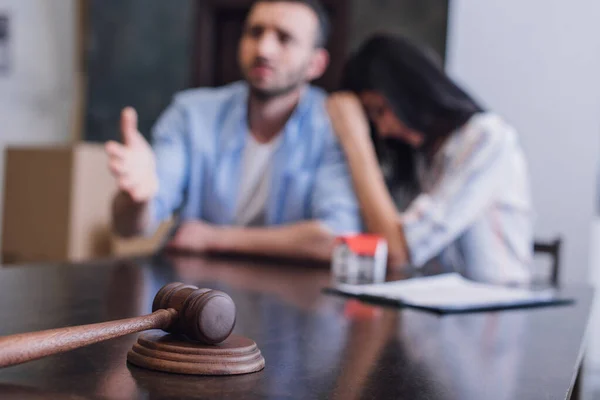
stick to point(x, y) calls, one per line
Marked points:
point(20, 348)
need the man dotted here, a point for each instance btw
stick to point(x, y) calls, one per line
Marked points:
point(254, 166)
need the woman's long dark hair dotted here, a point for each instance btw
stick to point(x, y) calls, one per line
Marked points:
point(415, 85)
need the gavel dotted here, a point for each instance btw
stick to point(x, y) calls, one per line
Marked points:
point(202, 316)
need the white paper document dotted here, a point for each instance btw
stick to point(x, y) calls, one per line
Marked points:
point(448, 291)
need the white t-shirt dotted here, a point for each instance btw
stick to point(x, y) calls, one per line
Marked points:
point(253, 192)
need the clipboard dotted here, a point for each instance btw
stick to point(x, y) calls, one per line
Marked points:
point(450, 294)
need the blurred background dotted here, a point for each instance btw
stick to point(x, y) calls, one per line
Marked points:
point(67, 67)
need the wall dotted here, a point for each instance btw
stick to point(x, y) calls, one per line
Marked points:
point(421, 20)
point(138, 54)
point(37, 93)
point(537, 63)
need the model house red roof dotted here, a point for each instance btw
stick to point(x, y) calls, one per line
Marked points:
point(364, 245)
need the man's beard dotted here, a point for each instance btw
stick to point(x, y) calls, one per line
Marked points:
point(294, 81)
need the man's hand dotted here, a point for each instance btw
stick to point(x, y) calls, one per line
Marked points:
point(347, 116)
point(132, 163)
point(194, 237)
point(304, 240)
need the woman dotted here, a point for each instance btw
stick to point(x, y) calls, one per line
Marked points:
point(473, 210)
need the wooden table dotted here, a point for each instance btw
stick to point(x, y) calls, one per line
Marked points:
point(316, 346)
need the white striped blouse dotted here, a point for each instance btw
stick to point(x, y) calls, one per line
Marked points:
point(474, 212)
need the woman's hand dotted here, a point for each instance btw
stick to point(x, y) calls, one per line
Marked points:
point(347, 116)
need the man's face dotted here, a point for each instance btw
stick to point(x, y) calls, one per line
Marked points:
point(277, 52)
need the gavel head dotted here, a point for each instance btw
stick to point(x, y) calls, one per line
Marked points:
point(205, 315)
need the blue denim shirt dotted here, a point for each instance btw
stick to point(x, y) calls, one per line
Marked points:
point(198, 143)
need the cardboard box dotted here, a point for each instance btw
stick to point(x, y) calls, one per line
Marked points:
point(141, 245)
point(57, 204)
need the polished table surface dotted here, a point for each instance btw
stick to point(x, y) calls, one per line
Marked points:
point(316, 345)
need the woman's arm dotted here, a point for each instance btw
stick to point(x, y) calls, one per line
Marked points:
point(379, 211)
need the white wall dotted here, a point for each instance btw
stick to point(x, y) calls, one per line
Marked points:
point(37, 95)
point(537, 62)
